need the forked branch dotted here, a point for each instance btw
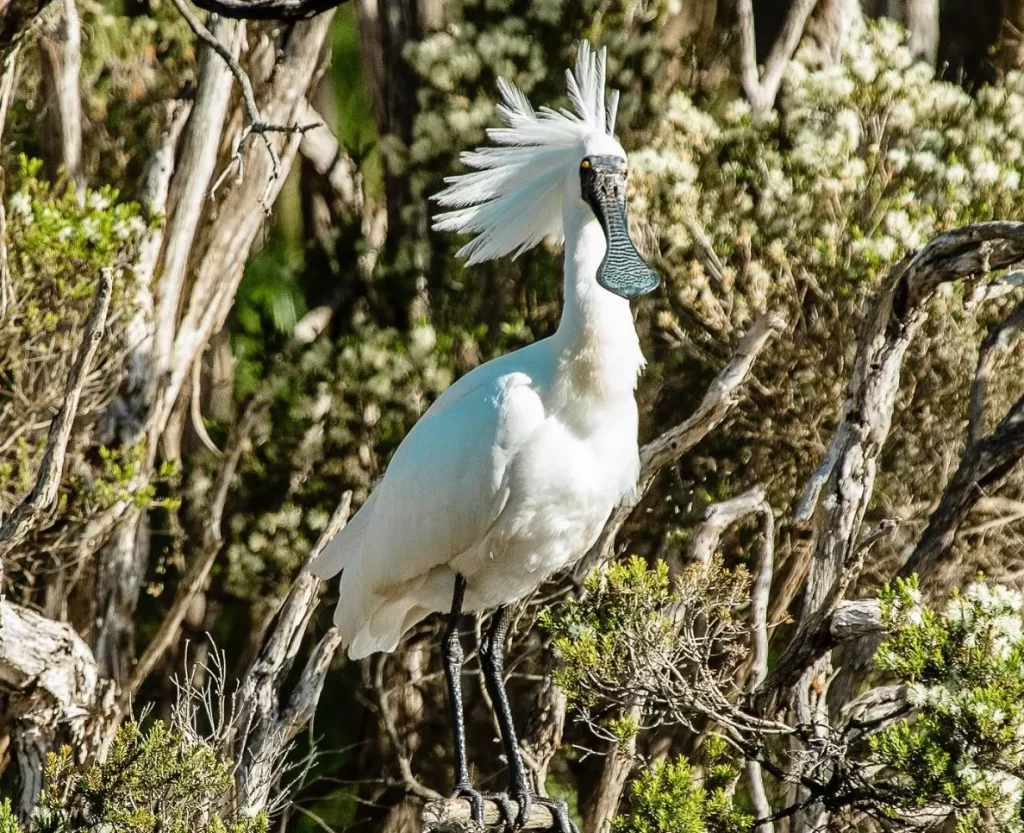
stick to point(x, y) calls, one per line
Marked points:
point(761, 88)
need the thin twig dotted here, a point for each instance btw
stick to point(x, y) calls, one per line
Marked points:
point(268, 9)
point(411, 784)
point(759, 593)
point(256, 124)
point(28, 514)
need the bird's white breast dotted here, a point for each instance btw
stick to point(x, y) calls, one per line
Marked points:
point(562, 485)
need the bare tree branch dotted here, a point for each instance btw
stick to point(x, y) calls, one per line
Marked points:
point(269, 9)
point(853, 619)
point(239, 219)
point(983, 466)
point(325, 153)
point(762, 88)
point(896, 315)
point(997, 344)
point(456, 816)
point(61, 56)
point(200, 146)
point(719, 517)
point(618, 764)
point(256, 124)
point(721, 397)
point(262, 728)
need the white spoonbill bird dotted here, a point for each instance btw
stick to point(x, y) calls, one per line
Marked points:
point(511, 474)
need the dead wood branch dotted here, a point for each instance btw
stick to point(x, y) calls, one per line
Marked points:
point(984, 466)
point(455, 815)
point(721, 397)
point(997, 344)
point(618, 764)
point(269, 9)
point(853, 619)
point(997, 288)
point(32, 510)
point(56, 693)
point(263, 729)
point(196, 164)
point(239, 218)
point(719, 517)
point(256, 124)
point(325, 153)
point(761, 88)
point(841, 489)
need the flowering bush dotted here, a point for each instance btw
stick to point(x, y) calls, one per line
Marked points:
point(866, 159)
point(964, 746)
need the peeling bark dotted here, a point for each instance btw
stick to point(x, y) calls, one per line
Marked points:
point(56, 694)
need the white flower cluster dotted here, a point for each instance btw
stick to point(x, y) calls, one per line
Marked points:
point(868, 158)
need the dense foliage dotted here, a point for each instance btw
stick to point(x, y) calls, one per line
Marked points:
point(865, 157)
point(670, 797)
point(160, 780)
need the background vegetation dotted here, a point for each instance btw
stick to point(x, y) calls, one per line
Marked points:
point(268, 346)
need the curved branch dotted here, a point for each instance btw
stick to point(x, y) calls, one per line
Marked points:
point(721, 397)
point(846, 481)
point(269, 9)
point(455, 815)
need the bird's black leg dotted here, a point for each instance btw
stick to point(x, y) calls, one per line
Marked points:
point(492, 659)
point(453, 656)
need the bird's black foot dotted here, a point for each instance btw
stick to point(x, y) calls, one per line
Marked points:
point(475, 799)
point(559, 811)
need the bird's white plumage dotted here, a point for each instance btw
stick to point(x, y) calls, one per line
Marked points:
point(513, 200)
point(510, 475)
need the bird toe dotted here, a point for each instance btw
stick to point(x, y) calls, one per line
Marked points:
point(475, 799)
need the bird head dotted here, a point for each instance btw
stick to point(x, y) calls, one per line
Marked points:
point(544, 165)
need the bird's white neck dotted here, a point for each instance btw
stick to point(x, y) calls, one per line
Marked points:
point(599, 352)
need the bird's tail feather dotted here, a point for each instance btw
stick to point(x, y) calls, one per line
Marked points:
point(341, 549)
point(370, 622)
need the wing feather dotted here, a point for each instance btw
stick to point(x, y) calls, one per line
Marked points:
point(446, 483)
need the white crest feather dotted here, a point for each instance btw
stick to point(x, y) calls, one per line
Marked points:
point(512, 200)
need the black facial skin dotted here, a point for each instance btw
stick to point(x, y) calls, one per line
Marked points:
point(623, 271)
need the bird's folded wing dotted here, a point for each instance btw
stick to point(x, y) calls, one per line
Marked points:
point(446, 483)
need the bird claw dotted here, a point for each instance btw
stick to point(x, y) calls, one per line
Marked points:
point(501, 799)
point(475, 799)
point(559, 812)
